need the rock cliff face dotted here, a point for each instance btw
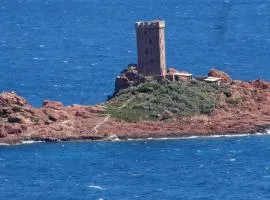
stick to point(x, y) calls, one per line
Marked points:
point(244, 108)
point(127, 78)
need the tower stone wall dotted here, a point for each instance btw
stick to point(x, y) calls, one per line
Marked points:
point(151, 48)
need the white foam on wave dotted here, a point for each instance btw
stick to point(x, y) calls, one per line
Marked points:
point(31, 141)
point(204, 136)
point(4, 144)
point(95, 187)
point(23, 142)
point(229, 136)
point(38, 58)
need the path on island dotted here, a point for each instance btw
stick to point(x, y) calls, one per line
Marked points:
point(108, 116)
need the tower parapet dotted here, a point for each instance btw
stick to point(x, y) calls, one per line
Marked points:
point(150, 24)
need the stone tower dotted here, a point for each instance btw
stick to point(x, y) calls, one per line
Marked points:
point(151, 48)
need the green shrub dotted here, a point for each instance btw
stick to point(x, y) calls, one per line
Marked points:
point(152, 99)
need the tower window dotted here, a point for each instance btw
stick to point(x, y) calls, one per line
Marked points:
point(146, 51)
point(150, 41)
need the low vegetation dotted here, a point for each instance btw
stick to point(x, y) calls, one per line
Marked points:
point(153, 100)
point(234, 101)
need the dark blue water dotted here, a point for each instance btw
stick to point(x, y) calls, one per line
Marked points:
point(72, 50)
point(190, 169)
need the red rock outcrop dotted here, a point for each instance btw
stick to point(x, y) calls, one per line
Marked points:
point(52, 104)
point(127, 78)
point(220, 74)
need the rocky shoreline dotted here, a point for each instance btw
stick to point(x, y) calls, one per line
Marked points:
point(19, 121)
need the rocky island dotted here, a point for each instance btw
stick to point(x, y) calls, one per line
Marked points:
point(151, 109)
point(149, 101)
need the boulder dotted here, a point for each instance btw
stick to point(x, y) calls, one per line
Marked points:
point(83, 114)
point(5, 111)
point(13, 129)
point(3, 132)
point(127, 78)
point(11, 98)
point(260, 84)
point(56, 115)
point(15, 119)
point(166, 115)
point(220, 74)
point(121, 82)
point(52, 104)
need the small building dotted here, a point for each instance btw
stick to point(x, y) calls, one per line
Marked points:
point(179, 76)
point(212, 79)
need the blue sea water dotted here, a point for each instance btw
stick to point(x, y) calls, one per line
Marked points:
point(71, 50)
point(189, 169)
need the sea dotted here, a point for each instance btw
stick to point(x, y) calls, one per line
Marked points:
point(72, 50)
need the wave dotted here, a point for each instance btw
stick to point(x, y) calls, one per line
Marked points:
point(4, 144)
point(204, 136)
point(31, 141)
point(95, 187)
point(20, 143)
point(114, 138)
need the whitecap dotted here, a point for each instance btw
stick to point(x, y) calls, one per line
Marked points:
point(4, 144)
point(95, 187)
point(41, 45)
point(135, 174)
point(31, 141)
point(65, 61)
point(38, 58)
point(232, 159)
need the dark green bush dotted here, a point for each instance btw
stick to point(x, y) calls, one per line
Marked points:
point(151, 99)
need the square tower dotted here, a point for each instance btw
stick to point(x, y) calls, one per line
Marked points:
point(151, 48)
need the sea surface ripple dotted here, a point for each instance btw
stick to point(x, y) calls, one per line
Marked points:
point(202, 168)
